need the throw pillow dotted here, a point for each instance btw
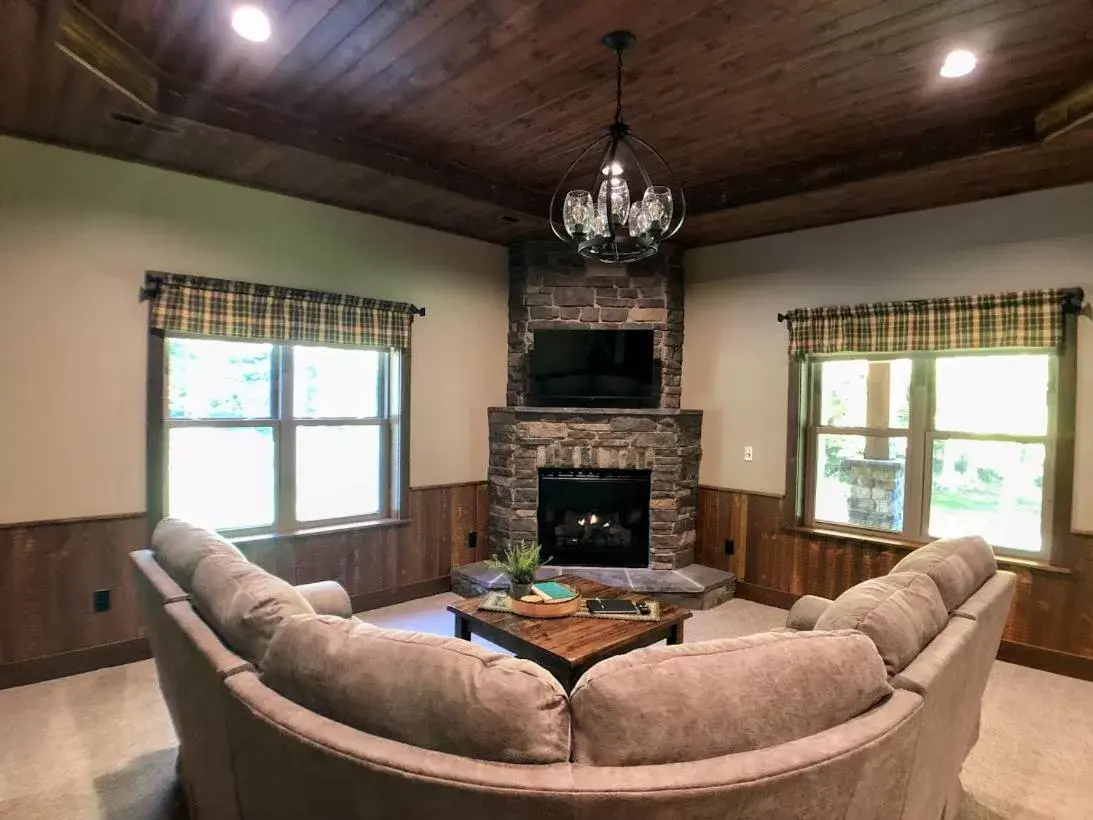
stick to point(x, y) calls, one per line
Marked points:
point(901, 613)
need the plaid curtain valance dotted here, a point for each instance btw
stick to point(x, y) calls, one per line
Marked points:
point(221, 307)
point(1028, 318)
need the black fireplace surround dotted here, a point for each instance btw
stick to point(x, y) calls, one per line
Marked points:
point(591, 517)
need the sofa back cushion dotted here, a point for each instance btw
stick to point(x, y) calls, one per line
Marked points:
point(901, 613)
point(958, 566)
point(754, 692)
point(424, 690)
point(243, 603)
point(180, 547)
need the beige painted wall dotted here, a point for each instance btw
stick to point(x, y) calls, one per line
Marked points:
point(77, 233)
point(735, 363)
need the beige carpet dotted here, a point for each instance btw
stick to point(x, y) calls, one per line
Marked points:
point(100, 746)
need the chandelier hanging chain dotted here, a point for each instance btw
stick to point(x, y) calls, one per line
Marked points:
point(618, 86)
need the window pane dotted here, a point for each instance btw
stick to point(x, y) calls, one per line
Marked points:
point(336, 383)
point(211, 379)
point(860, 481)
point(221, 477)
point(899, 393)
point(337, 472)
point(990, 488)
point(861, 393)
point(993, 394)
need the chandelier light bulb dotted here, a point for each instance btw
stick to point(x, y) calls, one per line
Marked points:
point(251, 23)
point(958, 63)
point(613, 169)
point(657, 205)
point(615, 196)
point(639, 220)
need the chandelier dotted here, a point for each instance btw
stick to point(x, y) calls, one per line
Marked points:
point(609, 227)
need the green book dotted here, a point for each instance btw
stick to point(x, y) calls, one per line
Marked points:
point(552, 591)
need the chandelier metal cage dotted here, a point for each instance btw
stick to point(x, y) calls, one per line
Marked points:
point(601, 222)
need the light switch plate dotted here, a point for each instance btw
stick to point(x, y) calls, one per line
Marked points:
point(749, 454)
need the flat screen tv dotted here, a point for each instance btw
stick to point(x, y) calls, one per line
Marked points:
point(594, 368)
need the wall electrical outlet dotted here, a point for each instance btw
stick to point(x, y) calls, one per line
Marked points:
point(730, 546)
point(100, 600)
point(472, 540)
point(749, 453)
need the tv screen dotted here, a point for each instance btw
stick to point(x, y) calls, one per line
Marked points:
point(594, 368)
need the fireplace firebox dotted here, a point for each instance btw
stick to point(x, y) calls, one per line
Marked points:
point(593, 517)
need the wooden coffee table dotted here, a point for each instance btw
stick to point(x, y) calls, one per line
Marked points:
point(568, 647)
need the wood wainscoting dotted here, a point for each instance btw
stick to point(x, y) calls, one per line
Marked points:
point(50, 570)
point(1050, 625)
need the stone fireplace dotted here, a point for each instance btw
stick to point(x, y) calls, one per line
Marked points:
point(550, 287)
point(664, 442)
point(533, 450)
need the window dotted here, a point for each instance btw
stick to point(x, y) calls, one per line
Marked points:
point(925, 446)
point(261, 438)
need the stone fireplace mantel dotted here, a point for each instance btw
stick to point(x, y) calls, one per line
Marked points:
point(665, 441)
point(596, 411)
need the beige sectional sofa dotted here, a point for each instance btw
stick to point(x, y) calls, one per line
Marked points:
point(287, 707)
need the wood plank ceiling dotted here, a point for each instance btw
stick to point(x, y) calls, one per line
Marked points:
point(462, 114)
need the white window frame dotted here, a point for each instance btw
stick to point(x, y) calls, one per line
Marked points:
point(921, 435)
point(391, 404)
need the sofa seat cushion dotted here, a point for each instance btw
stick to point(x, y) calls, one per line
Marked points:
point(901, 613)
point(671, 704)
point(180, 547)
point(959, 566)
point(243, 603)
point(425, 690)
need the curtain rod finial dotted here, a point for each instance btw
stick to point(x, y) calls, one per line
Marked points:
point(150, 289)
point(783, 317)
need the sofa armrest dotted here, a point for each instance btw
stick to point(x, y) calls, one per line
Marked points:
point(327, 598)
point(804, 614)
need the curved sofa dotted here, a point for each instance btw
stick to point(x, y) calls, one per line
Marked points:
point(268, 688)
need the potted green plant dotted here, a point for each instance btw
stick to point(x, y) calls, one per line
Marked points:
point(519, 562)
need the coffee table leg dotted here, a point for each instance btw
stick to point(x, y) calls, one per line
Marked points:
point(462, 627)
point(568, 676)
point(675, 634)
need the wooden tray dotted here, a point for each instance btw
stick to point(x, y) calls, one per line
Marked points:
point(547, 609)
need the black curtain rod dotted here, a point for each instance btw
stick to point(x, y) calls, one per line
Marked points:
point(150, 290)
point(1073, 302)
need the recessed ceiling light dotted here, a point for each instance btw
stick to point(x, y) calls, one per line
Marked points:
point(958, 63)
point(251, 23)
